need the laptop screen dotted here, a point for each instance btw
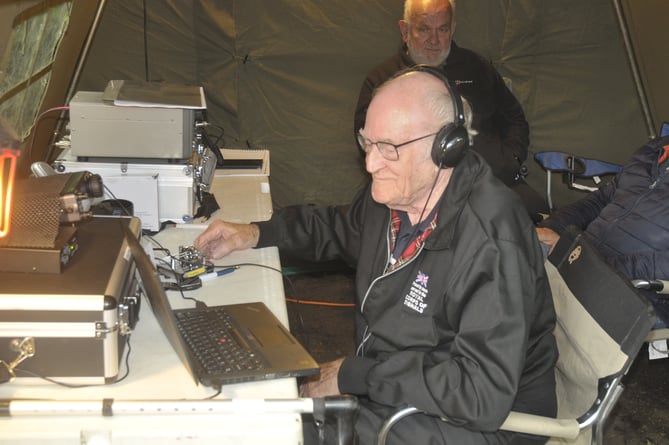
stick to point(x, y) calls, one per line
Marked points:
point(158, 300)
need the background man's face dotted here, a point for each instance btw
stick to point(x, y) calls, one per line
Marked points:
point(428, 37)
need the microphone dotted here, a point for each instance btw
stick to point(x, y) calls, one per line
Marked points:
point(40, 169)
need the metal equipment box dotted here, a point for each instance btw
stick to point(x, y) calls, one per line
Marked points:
point(99, 129)
point(159, 192)
point(76, 321)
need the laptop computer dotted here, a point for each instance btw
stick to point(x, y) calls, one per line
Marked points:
point(263, 347)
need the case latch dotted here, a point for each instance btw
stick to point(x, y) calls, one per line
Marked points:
point(101, 329)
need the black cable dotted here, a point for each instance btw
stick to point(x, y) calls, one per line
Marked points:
point(181, 285)
point(157, 243)
point(118, 201)
point(70, 385)
point(300, 318)
point(181, 288)
point(215, 149)
point(127, 359)
point(145, 19)
point(29, 149)
point(219, 389)
point(288, 280)
point(219, 138)
point(299, 314)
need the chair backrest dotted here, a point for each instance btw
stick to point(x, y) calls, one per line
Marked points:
point(577, 166)
point(573, 167)
point(602, 321)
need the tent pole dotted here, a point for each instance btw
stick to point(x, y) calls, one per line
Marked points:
point(77, 73)
point(629, 49)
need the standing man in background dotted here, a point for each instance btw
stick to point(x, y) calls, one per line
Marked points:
point(503, 133)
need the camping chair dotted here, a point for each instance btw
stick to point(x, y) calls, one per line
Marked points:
point(573, 168)
point(602, 321)
point(657, 338)
point(579, 168)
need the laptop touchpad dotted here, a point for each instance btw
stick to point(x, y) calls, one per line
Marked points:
point(268, 336)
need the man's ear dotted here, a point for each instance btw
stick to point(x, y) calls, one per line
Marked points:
point(404, 29)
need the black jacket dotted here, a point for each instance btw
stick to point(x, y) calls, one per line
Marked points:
point(627, 219)
point(503, 131)
point(462, 331)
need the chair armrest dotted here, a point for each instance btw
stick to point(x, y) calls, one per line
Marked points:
point(541, 426)
point(658, 334)
point(658, 286)
point(515, 421)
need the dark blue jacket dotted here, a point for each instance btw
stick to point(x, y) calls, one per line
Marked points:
point(628, 218)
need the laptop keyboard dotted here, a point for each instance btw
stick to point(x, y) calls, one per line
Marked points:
point(215, 342)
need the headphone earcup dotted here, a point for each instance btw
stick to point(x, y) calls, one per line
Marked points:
point(450, 145)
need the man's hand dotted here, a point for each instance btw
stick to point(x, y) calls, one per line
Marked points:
point(548, 237)
point(323, 384)
point(221, 238)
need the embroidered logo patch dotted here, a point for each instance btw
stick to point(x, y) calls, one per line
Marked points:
point(421, 279)
point(417, 295)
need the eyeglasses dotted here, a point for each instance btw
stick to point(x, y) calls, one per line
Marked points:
point(388, 151)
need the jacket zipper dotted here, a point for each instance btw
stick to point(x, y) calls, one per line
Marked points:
point(360, 350)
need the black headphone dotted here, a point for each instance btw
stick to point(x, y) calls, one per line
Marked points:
point(452, 140)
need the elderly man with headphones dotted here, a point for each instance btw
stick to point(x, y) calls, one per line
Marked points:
point(454, 313)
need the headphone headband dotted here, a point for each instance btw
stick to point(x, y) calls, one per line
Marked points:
point(452, 140)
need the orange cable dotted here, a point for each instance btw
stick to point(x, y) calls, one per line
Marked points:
point(319, 303)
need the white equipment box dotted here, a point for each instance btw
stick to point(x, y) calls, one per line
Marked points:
point(102, 129)
point(159, 192)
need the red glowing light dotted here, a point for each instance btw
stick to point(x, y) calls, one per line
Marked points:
point(7, 170)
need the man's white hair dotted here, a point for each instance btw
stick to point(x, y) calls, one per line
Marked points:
point(442, 106)
point(408, 8)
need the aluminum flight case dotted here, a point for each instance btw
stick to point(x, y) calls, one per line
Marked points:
point(78, 320)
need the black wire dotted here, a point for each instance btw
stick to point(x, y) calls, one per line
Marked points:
point(214, 148)
point(29, 149)
point(195, 300)
point(71, 385)
point(219, 389)
point(293, 290)
point(298, 312)
point(49, 379)
point(127, 359)
point(219, 138)
point(198, 303)
point(264, 266)
point(181, 289)
point(146, 41)
point(181, 285)
point(118, 201)
point(157, 243)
